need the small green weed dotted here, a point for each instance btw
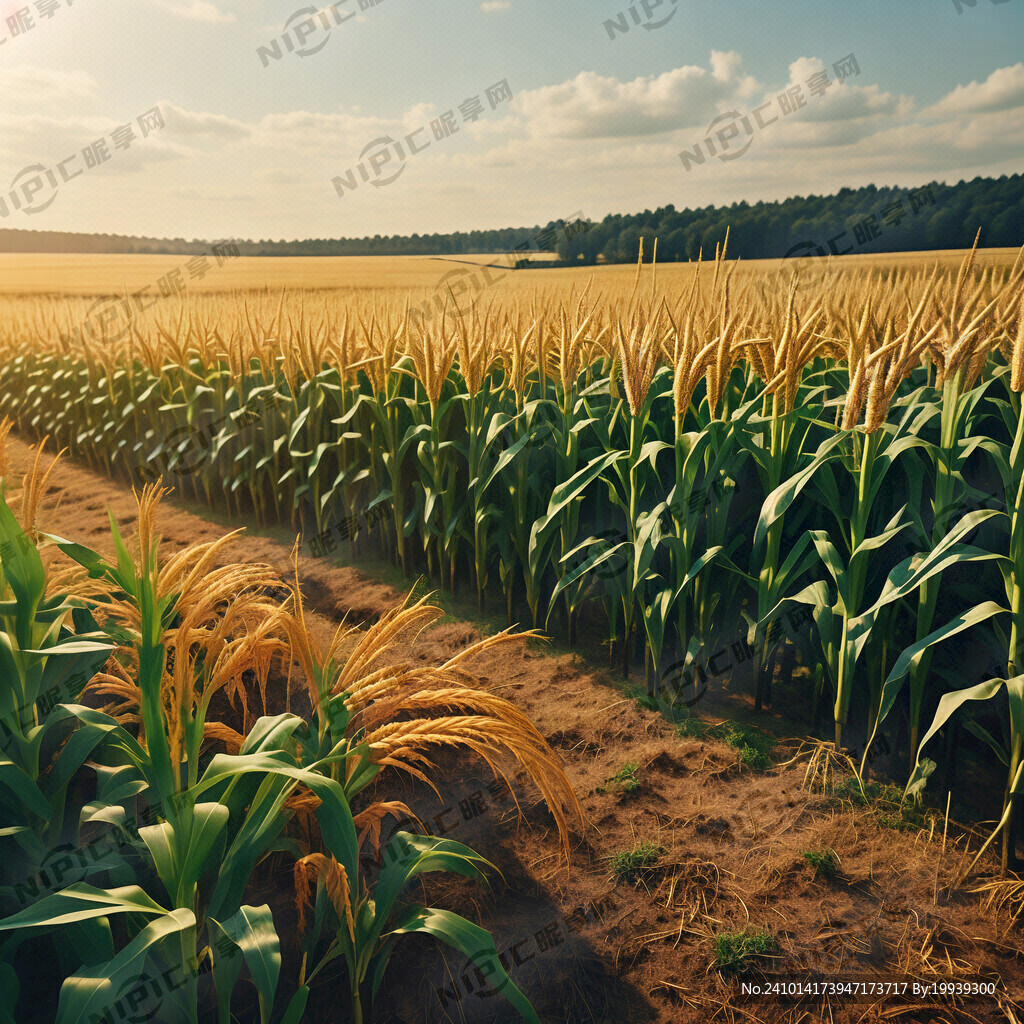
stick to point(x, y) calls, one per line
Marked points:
point(753, 745)
point(824, 862)
point(734, 950)
point(693, 728)
point(891, 810)
point(630, 864)
point(626, 778)
point(754, 758)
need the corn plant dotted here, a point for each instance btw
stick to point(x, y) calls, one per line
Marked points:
point(961, 356)
point(532, 532)
point(387, 439)
point(625, 475)
point(772, 572)
point(1009, 750)
point(215, 823)
point(367, 932)
point(844, 622)
point(353, 736)
point(49, 650)
point(1009, 461)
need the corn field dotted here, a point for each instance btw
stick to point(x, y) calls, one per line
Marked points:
point(683, 466)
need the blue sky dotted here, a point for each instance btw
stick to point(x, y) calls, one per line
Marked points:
point(250, 146)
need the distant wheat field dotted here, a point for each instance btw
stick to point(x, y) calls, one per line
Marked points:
point(94, 275)
point(48, 299)
point(98, 275)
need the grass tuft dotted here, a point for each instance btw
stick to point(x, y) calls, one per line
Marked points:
point(824, 862)
point(626, 778)
point(892, 811)
point(753, 745)
point(631, 864)
point(734, 951)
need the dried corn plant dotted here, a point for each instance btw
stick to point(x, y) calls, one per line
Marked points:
point(226, 635)
point(1004, 895)
point(406, 712)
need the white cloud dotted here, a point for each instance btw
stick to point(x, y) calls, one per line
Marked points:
point(592, 106)
point(196, 10)
point(28, 87)
point(841, 101)
point(841, 114)
point(187, 122)
point(495, 5)
point(1002, 90)
point(338, 136)
point(684, 100)
point(49, 139)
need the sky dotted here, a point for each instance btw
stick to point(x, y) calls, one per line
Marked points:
point(278, 120)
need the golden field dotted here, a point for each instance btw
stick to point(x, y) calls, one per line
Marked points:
point(88, 275)
point(92, 275)
point(794, 490)
point(46, 296)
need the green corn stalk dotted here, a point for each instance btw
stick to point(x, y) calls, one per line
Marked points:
point(490, 469)
point(486, 426)
point(712, 454)
point(778, 461)
point(381, 920)
point(529, 537)
point(442, 505)
point(949, 486)
point(566, 445)
point(626, 474)
point(49, 650)
point(964, 324)
point(218, 821)
point(867, 458)
point(347, 486)
point(387, 447)
point(477, 429)
point(1010, 752)
point(566, 426)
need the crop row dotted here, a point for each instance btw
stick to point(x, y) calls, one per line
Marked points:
point(677, 471)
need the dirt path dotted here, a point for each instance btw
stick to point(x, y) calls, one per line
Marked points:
point(584, 944)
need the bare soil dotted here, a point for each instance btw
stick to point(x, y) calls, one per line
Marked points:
point(583, 943)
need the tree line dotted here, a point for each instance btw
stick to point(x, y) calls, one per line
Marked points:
point(868, 220)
